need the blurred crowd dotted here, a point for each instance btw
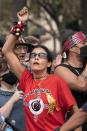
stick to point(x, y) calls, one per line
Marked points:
point(26, 65)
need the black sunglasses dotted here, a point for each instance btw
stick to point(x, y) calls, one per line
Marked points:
point(40, 55)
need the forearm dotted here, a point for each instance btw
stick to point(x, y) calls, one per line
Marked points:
point(7, 108)
point(83, 76)
point(78, 129)
point(9, 47)
point(75, 121)
point(78, 84)
point(69, 125)
point(13, 36)
point(82, 79)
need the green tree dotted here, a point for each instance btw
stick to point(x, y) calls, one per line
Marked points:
point(8, 10)
point(84, 15)
point(60, 11)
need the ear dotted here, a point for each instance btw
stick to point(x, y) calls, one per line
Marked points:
point(49, 64)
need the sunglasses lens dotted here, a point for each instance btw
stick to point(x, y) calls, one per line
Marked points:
point(33, 55)
point(43, 55)
point(40, 55)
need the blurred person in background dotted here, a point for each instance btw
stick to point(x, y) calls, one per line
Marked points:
point(73, 65)
point(2, 41)
point(11, 105)
point(23, 47)
point(3, 63)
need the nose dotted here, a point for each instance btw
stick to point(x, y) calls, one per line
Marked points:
point(37, 56)
point(22, 50)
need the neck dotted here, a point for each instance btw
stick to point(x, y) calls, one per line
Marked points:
point(39, 75)
point(74, 62)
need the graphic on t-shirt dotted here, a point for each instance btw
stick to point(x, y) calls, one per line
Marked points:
point(36, 106)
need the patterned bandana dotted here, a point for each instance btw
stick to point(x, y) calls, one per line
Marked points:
point(73, 40)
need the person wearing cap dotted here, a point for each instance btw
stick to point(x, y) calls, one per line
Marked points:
point(23, 47)
point(73, 68)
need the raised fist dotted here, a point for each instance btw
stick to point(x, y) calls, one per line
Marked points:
point(23, 14)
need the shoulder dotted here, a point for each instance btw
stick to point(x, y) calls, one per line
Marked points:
point(60, 82)
point(62, 65)
point(26, 73)
point(54, 76)
point(25, 76)
point(57, 78)
point(63, 70)
point(67, 74)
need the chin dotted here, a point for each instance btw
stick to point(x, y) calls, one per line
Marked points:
point(36, 69)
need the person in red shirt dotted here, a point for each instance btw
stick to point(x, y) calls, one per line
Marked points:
point(47, 97)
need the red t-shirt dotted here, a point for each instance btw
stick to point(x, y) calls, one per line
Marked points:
point(45, 102)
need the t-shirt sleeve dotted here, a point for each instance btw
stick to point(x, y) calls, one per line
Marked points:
point(65, 96)
point(25, 76)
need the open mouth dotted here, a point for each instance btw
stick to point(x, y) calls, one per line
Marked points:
point(36, 63)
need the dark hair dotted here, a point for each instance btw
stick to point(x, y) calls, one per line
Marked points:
point(49, 54)
point(66, 34)
point(3, 65)
point(10, 78)
point(2, 41)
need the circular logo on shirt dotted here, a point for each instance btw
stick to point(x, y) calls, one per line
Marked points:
point(36, 106)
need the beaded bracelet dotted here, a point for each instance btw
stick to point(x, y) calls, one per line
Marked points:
point(17, 28)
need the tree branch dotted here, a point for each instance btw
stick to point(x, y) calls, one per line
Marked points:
point(47, 31)
point(51, 10)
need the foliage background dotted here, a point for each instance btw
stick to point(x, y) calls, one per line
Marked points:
point(55, 14)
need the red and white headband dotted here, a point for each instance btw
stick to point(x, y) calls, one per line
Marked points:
point(73, 40)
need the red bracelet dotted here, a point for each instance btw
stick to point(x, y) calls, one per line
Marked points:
point(18, 28)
